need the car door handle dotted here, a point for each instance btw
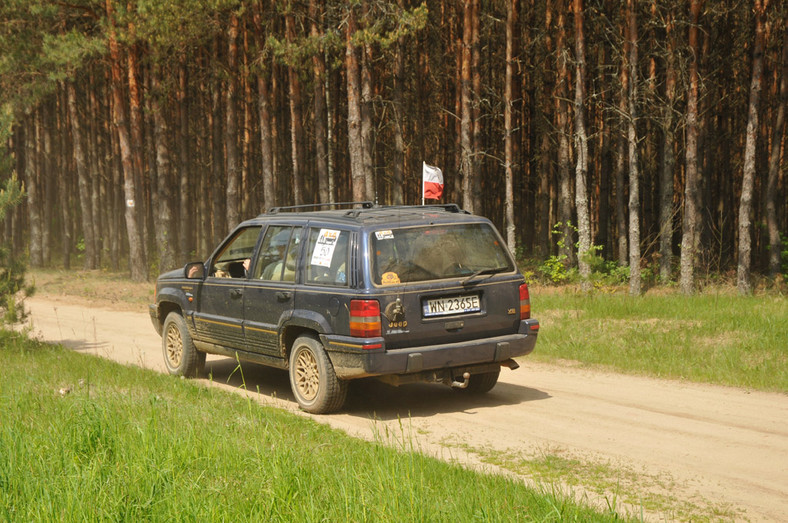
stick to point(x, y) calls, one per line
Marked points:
point(283, 295)
point(236, 293)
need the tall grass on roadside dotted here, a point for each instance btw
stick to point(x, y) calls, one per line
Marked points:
point(716, 338)
point(85, 439)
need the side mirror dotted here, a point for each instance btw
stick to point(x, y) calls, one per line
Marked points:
point(194, 271)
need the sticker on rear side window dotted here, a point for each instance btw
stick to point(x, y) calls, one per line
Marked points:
point(324, 247)
point(384, 235)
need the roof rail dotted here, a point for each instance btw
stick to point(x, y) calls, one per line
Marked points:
point(276, 210)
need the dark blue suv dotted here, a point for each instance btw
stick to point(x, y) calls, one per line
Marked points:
point(401, 293)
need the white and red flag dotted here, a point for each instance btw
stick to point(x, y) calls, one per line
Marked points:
point(432, 182)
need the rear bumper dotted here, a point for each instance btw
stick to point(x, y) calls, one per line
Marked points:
point(351, 361)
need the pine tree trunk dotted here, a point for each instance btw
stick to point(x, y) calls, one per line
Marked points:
point(137, 263)
point(508, 102)
point(466, 123)
point(398, 167)
point(136, 142)
point(321, 116)
point(186, 218)
point(562, 122)
point(82, 177)
point(165, 240)
point(745, 205)
point(666, 211)
point(634, 187)
point(355, 142)
point(231, 129)
point(621, 157)
point(32, 188)
point(581, 146)
point(690, 221)
point(772, 224)
point(296, 127)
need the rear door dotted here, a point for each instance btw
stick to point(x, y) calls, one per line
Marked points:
point(271, 289)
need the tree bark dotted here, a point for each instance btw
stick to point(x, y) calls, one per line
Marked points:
point(562, 123)
point(581, 147)
point(231, 129)
point(165, 240)
point(85, 203)
point(772, 224)
point(137, 262)
point(748, 181)
point(508, 102)
point(634, 187)
point(296, 127)
point(321, 116)
point(467, 162)
point(355, 142)
point(666, 211)
point(690, 222)
point(398, 167)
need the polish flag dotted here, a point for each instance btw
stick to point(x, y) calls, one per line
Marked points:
point(432, 181)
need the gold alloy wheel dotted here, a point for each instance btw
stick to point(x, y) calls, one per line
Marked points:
point(174, 346)
point(307, 375)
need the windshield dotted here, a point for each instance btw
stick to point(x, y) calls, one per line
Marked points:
point(436, 252)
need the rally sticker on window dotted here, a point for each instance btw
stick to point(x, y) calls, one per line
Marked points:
point(324, 247)
point(384, 235)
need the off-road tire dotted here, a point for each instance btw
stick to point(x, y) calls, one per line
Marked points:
point(481, 383)
point(312, 378)
point(181, 357)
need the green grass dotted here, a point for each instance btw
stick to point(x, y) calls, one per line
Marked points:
point(714, 337)
point(655, 494)
point(85, 439)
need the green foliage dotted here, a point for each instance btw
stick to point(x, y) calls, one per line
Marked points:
point(556, 267)
point(784, 254)
point(12, 269)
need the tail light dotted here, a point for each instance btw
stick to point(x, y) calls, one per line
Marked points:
point(365, 318)
point(525, 302)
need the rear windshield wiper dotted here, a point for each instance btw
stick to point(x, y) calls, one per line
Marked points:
point(481, 272)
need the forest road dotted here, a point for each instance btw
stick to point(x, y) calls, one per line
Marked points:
point(718, 450)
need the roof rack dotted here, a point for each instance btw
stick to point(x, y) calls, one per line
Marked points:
point(276, 210)
point(446, 207)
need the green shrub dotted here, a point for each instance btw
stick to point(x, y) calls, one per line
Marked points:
point(12, 268)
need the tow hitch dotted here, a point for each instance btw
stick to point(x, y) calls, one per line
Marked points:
point(466, 376)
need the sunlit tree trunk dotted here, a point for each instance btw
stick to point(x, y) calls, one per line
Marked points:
point(563, 124)
point(296, 126)
point(508, 102)
point(321, 115)
point(581, 149)
point(690, 226)
point(231, 128)
point(745, 205)
point(355, 142)
point(137, 262)
point(634, 176)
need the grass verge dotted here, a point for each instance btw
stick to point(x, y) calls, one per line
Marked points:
point(715, 337)
point(85, 439)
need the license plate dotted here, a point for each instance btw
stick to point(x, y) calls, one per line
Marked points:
point(447, 306)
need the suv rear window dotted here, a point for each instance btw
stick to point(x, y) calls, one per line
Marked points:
point(418, 254)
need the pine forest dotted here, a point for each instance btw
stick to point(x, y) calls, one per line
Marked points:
point(640, 135)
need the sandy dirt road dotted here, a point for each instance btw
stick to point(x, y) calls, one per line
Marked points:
point(711, 452)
